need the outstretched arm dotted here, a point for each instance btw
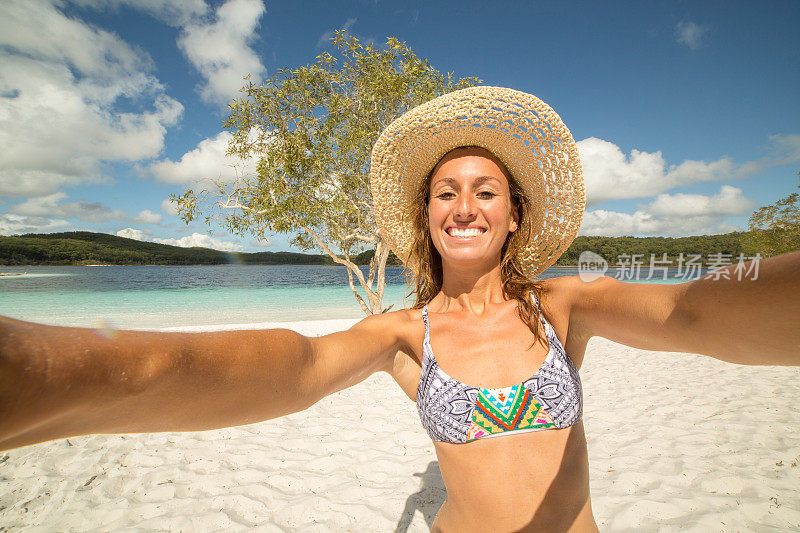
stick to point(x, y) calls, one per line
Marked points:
point(752, 321)
point(58, 382)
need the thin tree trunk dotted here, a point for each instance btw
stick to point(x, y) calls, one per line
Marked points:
point(374, 297)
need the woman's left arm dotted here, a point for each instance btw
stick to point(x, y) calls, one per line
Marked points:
point(747, 321)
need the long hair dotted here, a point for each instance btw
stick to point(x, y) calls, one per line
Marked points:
point(428, 263)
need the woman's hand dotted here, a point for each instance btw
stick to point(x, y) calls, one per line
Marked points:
point(752, 321)
point(57, 382)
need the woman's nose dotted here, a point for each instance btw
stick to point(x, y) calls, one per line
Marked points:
point(465, 207)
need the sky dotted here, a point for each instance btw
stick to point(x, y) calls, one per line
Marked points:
point(686, 114)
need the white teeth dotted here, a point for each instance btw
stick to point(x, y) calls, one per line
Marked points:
point(465, 232)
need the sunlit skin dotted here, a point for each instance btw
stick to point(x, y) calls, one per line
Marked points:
point(469, 193)
point(478, 339)
point(58, 382)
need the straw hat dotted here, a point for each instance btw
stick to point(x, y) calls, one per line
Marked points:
point(518, 128)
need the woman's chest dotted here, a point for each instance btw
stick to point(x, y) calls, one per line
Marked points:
point(493, 357)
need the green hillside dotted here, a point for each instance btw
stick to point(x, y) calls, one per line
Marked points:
point(83, 247)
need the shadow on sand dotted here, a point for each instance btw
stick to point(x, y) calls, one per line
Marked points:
point(427, 499)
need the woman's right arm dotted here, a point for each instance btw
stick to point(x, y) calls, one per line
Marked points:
point(58, 382)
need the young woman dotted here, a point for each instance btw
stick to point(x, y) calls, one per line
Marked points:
point(478, 191)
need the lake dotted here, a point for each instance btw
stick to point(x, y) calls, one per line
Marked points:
point(173, 296)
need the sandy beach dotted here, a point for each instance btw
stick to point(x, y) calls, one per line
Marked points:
point(676, 442)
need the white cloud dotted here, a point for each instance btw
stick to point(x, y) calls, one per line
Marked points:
point(325, 39)
point(785, 149)
point(204, 241)
point(136, 234)
point(220, 50)
point(147, 217)
point(50, 206)
point(610, 174)
point(674, 215)
point(59, 121)
point(261, 243)
point(190, 241)
point(207, 161)
point(729, 201)
point(615, 224)
point(11, 224)
point(690, 34)
point(169, 208)
point(218, 46)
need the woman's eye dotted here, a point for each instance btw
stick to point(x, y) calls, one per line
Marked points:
point(445, 195)
point(487, 195)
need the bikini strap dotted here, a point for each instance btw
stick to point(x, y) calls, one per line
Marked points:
point(548, 328)
point(535, 300)
point(427, 326)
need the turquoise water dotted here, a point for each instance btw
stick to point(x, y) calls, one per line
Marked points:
point(170, 296)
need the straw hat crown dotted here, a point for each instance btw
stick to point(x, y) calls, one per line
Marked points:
point(521, 130)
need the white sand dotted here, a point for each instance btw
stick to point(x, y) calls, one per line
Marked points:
point(676, 442)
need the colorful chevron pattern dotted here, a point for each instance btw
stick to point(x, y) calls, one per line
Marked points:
point(507, 409)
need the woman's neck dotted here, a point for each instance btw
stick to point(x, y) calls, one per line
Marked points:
point(470, 289)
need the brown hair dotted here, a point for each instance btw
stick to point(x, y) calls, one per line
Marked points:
point(424, 256)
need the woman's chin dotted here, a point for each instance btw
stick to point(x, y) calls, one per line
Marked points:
point(469, 259)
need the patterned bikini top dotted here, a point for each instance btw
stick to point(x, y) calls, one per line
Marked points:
point(454, 412)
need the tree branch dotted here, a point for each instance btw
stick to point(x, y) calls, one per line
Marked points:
point(349, 264)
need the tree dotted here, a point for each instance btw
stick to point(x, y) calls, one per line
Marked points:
point(775, 229)
point(312, 129)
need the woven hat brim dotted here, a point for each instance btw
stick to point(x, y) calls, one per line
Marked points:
point(521, 130)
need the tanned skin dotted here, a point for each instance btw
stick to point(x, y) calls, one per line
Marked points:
point(58, 382)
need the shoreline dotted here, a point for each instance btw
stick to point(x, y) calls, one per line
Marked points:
point(305, 327)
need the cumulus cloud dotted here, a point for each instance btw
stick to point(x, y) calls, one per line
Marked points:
point(62, 80)
point(325, 39)
point(11, 224)
point(672, 215)
point(220, 50)
point(785, 149)
point(217, 44)
point(169, 208)
point(690, 34)
point(136, 234)
point(203, 241)
point(147, 217)
point(729, 201)
point(260, 243)
point(610, 174)
point(641, 223)
point(190, 241)
point(51, 206)
point(207, 161)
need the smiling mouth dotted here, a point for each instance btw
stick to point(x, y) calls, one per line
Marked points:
point(465, 233)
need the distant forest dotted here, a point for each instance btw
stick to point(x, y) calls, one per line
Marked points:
point(83, 247)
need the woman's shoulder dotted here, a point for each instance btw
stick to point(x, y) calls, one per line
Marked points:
point(403, 328)
point(401, 323)
point(398, 318)
point(560, 290)
point(559, 296)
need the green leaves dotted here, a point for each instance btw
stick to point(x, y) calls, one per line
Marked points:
point(311, 130)
point(775, 229)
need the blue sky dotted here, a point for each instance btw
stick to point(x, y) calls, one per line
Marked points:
point(686, 114)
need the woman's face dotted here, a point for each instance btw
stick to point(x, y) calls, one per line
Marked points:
point(470, 212)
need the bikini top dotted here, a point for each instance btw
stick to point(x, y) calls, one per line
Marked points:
point(455, 412)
